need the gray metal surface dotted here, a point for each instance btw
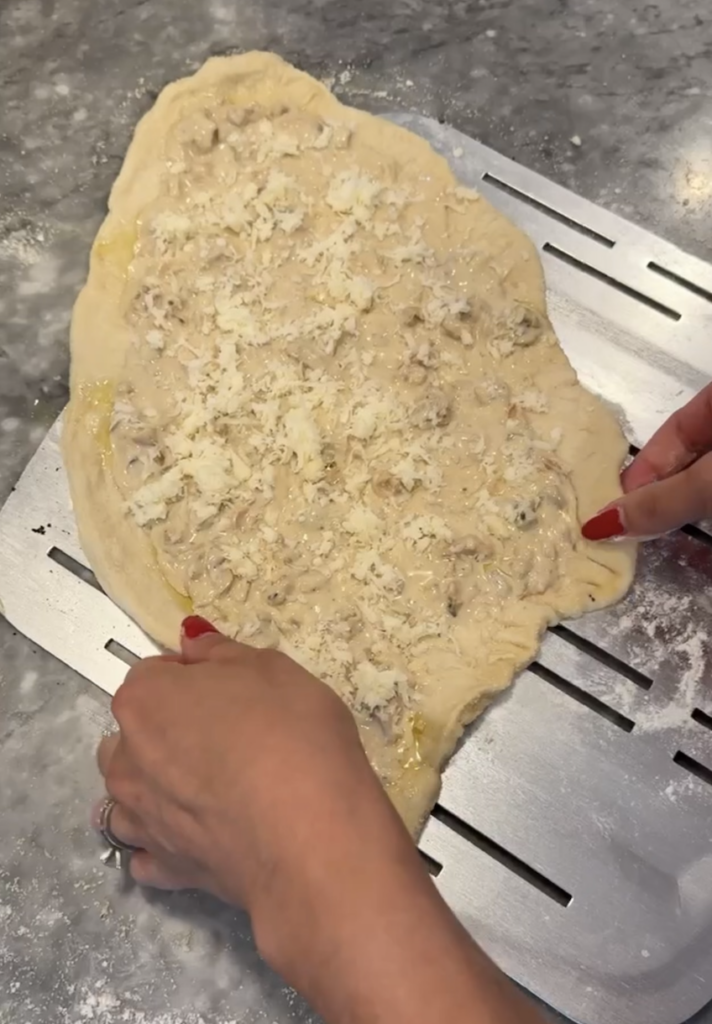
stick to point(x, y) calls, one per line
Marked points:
point(573, 831)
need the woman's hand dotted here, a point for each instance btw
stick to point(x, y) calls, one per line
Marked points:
point(238, 772)
point(669, 483)
point(228, 760)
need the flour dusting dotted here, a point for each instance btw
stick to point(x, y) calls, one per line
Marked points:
point(24, 245)
point(104, 1007)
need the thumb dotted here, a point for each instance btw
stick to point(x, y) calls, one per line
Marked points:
point(201, 641)
point(657, 508)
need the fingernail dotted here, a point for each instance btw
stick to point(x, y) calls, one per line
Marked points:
point(605, 525)
point(195, 626)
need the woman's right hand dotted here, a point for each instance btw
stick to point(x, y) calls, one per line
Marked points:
point(238, 772)
point(669, 483)
point(232, 766)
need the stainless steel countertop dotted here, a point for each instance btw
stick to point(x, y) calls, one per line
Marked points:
point(633, 86)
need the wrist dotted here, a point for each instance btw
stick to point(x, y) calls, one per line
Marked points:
point(327, 892)
point(361, 931)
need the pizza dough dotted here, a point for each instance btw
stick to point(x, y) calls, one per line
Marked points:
point(315, 397)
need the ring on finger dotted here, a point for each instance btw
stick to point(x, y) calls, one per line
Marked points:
point(105, 830)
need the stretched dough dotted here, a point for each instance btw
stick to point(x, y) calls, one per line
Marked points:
point(315, 396)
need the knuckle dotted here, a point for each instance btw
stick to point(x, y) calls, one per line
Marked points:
point(123, 700)
point(125, 788)
point(115, 782)
point(118, 702)
point(132, 690)
point(221, 648)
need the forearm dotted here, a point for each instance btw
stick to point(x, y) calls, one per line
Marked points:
point(368, 940)
point(413, 964)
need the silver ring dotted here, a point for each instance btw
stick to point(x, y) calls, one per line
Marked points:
point(105, 831)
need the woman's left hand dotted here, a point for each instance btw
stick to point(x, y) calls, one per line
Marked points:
point(669, 483)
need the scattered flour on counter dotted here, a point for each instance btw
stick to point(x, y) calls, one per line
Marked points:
point(40, 277)
point(95, 1005)
point(102, 1007)
point(23, 245)
point(683, 787)
point(27, 683)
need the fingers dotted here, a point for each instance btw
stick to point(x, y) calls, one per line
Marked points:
point(685, 436)
point(160, 669)
point(105, 752)
point(122, 824)
point(639, 473)
point(201, 641)
point(659, 507)
point(146, 869)
point(156, 660)
point(669, 504)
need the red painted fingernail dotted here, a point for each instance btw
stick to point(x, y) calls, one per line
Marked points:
point(195, 626)
point(605, 526)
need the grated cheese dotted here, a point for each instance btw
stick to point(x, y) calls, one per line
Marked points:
point(300, 437)
point(361, 521)
point(418, 532)
point(170, 229)
point(354, 193)
point(374, 687)
point(150, 502)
